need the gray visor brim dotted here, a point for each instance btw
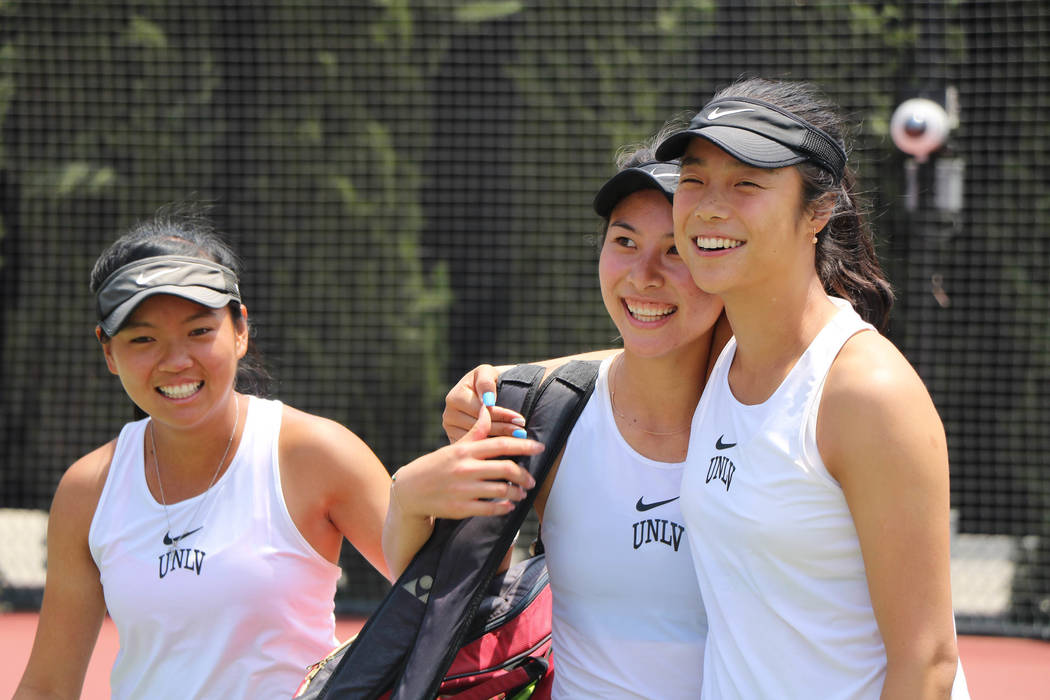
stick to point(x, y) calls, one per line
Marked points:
point(202, 281)
point(746, 146)
point(202, 295)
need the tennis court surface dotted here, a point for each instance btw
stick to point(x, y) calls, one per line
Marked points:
point(997, 668)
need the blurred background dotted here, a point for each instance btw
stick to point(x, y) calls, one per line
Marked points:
point(409, 184)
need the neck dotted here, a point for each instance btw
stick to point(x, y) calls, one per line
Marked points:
point(196, 451)
point(773, 328)
point(659, 394)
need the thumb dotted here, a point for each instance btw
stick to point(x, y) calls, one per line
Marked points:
point(485, 378)
point(480, 429)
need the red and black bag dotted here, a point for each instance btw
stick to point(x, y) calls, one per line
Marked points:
point(449, 626)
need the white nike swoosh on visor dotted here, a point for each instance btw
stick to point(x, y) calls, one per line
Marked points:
point(715, 113)
point(143, 280)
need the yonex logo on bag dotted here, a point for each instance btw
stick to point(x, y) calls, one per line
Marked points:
point(420, 587)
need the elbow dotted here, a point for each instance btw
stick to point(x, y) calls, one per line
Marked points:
point(927, 673)
point(944, 666)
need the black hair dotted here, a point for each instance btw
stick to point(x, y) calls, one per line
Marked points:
point(184, 229)
point(633, 155)
point(845, 253)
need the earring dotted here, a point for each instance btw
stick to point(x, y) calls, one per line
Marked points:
point(814, 239)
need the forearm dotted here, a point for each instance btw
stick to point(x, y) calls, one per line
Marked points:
point(26, 692)
point(403, 535)
point(927, 677)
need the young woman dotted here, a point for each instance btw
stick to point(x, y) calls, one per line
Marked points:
point(628, 619)
point(816, 488)
point(816, 494)
point(210, 530)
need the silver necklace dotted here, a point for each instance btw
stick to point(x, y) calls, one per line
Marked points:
point(214, 477)
point(632, 422)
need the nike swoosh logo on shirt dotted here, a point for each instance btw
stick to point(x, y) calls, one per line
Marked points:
point(719, 445)
point(718, 112)
point(642, 507)
point(168, 539)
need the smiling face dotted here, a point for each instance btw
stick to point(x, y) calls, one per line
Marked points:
point(645, 285)
point(737, 225)
point(177, 359)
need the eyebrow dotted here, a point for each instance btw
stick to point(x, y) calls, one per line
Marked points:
point(623, 224)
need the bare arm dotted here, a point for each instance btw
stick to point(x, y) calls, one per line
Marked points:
point(473, 476)
point(334, 486)
point(73, 606)
point(464, 400)
point(880, 436)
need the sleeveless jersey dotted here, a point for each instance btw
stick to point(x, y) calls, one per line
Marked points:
point(628, 621)
point(239, 606)
point(776, 551)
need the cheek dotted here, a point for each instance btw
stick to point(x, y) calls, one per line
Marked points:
point(683, 203)
point(607, 277)
point(695, 297)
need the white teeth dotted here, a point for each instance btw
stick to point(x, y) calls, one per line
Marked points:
point(705, 243)
point(649, 311)
point(180, 391)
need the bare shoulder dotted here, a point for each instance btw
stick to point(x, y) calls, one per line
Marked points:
point(334, 485)
point(553, 364)
point(556, 362)
point(870, 368)
point(313, 443)
point(81, 486)
point(874, 402)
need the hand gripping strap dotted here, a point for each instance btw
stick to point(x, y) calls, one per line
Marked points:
point(478, 545)
point(419, 626)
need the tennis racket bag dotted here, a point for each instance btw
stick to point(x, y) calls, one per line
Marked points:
point(421, 641)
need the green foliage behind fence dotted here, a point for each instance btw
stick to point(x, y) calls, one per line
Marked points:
point(409, 183)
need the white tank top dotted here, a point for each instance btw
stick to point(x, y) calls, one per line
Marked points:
point(775, 547)
point(240, 607)
point(628, 621)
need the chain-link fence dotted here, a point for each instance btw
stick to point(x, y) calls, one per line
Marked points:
point(409, 184)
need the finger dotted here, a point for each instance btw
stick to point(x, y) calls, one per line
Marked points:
point(505, 415)
point(456, 423)
point(485, 377)
point(461, 408)
point(504, 471)
point(503, 491)
point(480, 429)
point(473, 508)
point(503, 446)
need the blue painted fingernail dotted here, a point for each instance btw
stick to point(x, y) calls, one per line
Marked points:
point(489, 398)
point(519, 433)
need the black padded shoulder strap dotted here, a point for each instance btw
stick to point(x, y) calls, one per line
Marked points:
point(410, 640)
point(477, 550)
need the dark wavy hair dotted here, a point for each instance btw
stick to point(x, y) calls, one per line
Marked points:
point(184, 229)
point(845, 253)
